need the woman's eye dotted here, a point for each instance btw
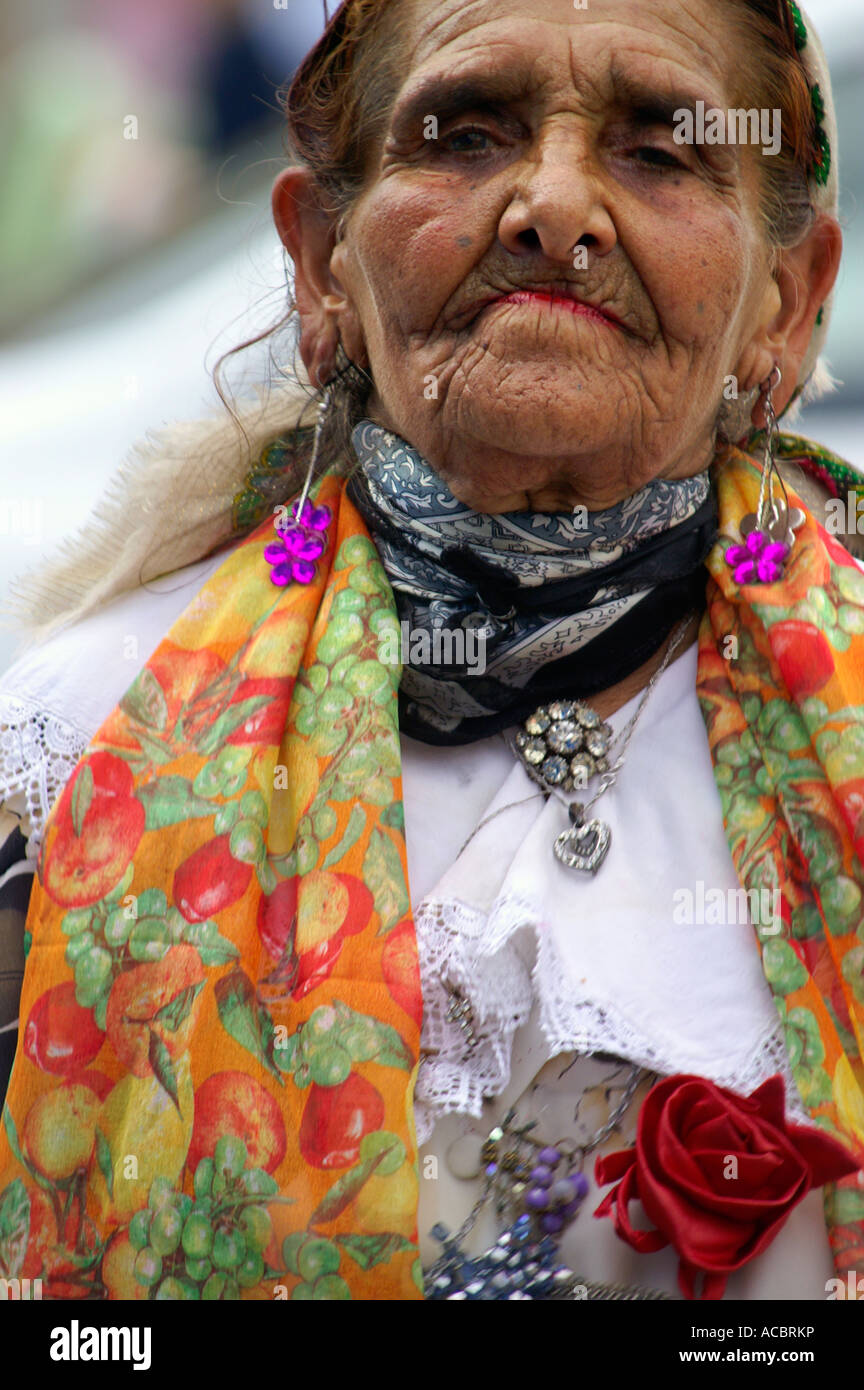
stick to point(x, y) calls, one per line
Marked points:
point(656, 155)
point(467, 140)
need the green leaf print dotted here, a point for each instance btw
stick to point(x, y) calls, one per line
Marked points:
point(382, 874)
point(14, 1228)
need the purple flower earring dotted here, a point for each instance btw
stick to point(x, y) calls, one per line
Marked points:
point(302, 534)
point(768, 534)
point(302, 541)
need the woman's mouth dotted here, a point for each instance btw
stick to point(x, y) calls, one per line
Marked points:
point(558, 300)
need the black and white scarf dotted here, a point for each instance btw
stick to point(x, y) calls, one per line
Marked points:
point(500, 612)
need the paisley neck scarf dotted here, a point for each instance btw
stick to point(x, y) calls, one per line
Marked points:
point(212, 1093)
point(499, 612)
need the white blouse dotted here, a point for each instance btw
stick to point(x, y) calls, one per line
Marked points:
point(550, 961)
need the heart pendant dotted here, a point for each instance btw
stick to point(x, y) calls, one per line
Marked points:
point(584, 846)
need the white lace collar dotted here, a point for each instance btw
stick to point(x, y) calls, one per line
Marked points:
point(603, 958)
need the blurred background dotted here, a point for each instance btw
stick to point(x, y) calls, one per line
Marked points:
point(139, 142)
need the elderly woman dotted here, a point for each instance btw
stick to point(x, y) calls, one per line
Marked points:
point(558, 270)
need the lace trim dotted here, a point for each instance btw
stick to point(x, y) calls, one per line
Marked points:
point(478, 956)
point(38, 754)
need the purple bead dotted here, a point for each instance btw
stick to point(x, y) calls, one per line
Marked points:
point(580, 1182)
point(274, 553)
point(768, 573)
point(536, 1198)
point(320, 518)
point(541, 1176)
point(310, 548)
point(562, 1192)
point(281, 575)
point(304, 513)
point(755, 542)
point(549, 1157)
point(552, 1223)
point(491, 1170)
point(303, 571)
point(736, 553)
point(745, 573)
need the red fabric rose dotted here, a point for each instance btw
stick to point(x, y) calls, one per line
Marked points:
point(718, 1214)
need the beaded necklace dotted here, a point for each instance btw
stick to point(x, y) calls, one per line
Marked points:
point(537, 1188)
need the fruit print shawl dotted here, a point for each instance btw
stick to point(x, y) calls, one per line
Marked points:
point(212, 1095)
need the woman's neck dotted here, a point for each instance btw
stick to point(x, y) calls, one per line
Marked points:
point(608, 701)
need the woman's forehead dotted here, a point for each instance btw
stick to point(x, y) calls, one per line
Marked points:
point(695, 34)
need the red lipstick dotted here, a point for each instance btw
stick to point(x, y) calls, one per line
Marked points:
point(560, 299)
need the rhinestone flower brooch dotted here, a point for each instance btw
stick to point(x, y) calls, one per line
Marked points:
point(565, 742)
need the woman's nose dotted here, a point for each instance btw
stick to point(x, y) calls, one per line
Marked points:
point(559, 200)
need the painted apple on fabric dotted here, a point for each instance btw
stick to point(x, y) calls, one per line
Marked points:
point(402, 970)
point(210, 879)
point(266, 724)
point(277, 928)
point(803, 655)
point(277, 918)
point(154, 1001)
point(92, 833)
point(230, 1102)
point(361, 905)
point(60, 1130)
point(61, 1037)
point(336, 1119)
point(316, 962)
point(307, 944)
point(184, 677)
point(118, 1270)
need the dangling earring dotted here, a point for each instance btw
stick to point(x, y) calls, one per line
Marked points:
point(303, 532)
point(769, 532)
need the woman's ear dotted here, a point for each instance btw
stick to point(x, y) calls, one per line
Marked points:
point(804, 276)
point(308, 234)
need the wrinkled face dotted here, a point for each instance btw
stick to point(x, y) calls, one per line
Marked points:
point(548, 289)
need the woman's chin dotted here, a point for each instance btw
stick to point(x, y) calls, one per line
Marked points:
point(492, 480)
point(521, 437)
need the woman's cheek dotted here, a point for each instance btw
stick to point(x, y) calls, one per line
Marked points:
point(692, 256)
point(698, 277)
point(409, 247)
